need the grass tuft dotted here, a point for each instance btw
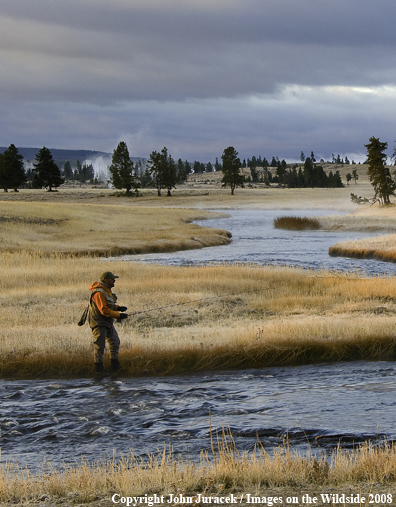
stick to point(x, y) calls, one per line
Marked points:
point(292, 223)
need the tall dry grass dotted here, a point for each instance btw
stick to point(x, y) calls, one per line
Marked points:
point(213, 317)
point(370, 468)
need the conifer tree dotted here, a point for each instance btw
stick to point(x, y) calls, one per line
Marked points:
point(121, 169)
point(155, 169)
point(46, 172)
point(12, 172)
point(231, 169)
point(164, 170)
point(379, 174)
point(169, 171)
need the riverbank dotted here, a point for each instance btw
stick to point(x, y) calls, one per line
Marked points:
point(209, 317)
point(102, 229)
point(368, 471)
point(383, 247)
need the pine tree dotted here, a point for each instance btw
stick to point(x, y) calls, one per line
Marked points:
point(181, 171)
point(309, 173)
point(379, 174)
point(231, 169)
point(164, 170)
point(169, 171)
point(3, 180)
point(46, 172)
point(155, 169)
point(121, 169)
point(12, 172)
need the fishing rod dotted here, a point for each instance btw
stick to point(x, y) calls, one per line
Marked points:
point(195, 301)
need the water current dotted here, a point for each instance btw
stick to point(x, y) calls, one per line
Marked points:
point(255, 240)
point(317, 406)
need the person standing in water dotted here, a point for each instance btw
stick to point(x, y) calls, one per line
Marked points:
point(103, 309)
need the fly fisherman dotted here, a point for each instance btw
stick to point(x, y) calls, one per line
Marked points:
point(103, 309)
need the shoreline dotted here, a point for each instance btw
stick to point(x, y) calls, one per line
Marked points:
point(367, 471)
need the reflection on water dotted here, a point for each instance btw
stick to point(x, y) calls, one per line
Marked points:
point(318, 405)
point(254, 240)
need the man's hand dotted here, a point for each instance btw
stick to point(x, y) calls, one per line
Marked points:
point(123, 316)
point(122, 308)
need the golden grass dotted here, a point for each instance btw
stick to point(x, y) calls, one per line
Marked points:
point(382, 248)
point(246, 316)
point(101, 229)
point(368, 469)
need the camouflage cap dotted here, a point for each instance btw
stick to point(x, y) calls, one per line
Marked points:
point(108, 274)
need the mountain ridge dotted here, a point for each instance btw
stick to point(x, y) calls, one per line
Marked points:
point(61, 156)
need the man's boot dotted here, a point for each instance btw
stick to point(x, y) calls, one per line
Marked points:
point(114, 366)
point(99, 369)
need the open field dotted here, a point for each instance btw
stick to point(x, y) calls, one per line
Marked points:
point(199, 194)
point(368, 471)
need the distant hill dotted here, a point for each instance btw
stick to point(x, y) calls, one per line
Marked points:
point(62, 156)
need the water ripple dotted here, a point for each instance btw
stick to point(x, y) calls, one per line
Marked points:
point(316, 406)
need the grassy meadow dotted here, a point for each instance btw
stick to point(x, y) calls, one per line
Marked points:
point(186, 319)
point(214, 317)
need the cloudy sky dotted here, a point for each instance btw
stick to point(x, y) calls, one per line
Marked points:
point(269, 77)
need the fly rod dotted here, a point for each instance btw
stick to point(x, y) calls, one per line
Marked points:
point(195, 301)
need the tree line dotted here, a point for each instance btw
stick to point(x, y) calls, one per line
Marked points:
point(161, 171)
point(310, 175)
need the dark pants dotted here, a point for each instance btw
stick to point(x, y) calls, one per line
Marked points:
point(101, 334)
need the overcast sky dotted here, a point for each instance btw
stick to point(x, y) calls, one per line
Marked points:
point(269, 77)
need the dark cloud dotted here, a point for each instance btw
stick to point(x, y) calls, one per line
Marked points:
point(197, 75)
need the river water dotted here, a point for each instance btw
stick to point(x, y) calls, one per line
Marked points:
point(318, 406)
point(255, 240)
